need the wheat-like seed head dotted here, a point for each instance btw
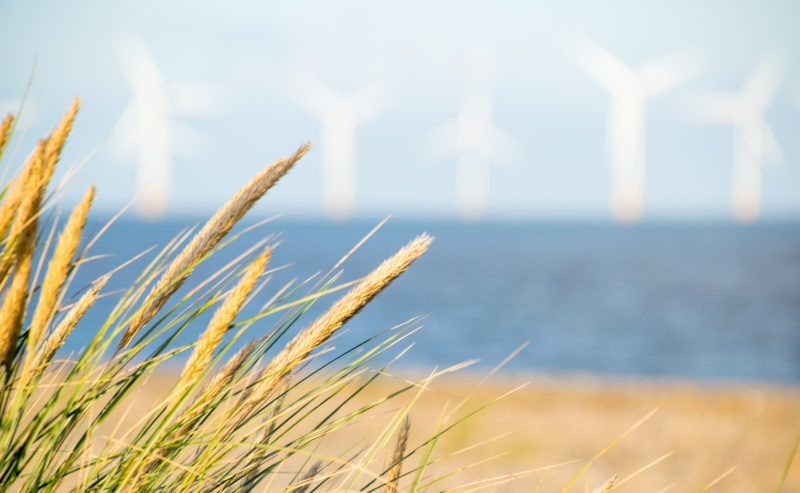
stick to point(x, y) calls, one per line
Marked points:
point(5, 132)
point(221, 321)
point(308, 478)
point(225, 375)
point(264, 435)
point(205, 239)
point(219, 383)
point(329, 322)
point(56, 140)
point(8, 209)
point(58, 268)
point(397, 457)
point(607, 485)
point(24, 232)
point(70, 320)
point(25, 186)
point(32, 183)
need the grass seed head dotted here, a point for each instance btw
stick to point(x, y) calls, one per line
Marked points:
point(397, 457)
point(208, 237)
point(321, 329)
point(58, 268)
point(221, 321)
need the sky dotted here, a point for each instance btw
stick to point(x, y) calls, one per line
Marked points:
point(529, 110)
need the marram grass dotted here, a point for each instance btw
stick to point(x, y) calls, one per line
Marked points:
point(249, 420)
point(261, 418)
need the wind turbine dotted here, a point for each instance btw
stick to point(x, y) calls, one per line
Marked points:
point(147, 130)
point(629, 90)
point(753, 140)
point(340, 115)
point(475, 141)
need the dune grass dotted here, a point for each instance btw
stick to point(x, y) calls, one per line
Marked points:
point(284, 412)
point(231, 421)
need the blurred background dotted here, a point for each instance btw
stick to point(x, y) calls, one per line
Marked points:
point(617, 184)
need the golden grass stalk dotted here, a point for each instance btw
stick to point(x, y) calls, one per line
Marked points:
point(58, 268)
point(56, 140)
point(212, 390)
point(12, 310)
point(205, 239)
point(70, 320)
point(221, 322)
point(264, 436)
point(8, 210)
point(32, 183)
point(225, 376)
point(308, 478)
point(329, 322)
point(24, 230)
point(5, 132)
point(26, 185)
point(397, 457)
point(612, 481)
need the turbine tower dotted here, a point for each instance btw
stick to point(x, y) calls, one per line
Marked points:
point(146, 130)
point(753, 140)
point(475, 141)
point(629, 90)
point(340, 115)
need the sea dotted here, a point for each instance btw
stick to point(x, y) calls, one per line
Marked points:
point(700, 301)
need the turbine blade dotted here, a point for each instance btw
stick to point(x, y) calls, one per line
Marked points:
point(196, 99)
point(125, 135)
point(600, 65)
point(668, 72)
point(368, 102)
point(316, 97)
point(138, 66)
point(762, 85)
point(772, 149)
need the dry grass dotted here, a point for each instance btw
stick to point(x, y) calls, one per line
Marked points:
point(708, 428)
point(321, 329)
point(276, 418)
point(703, 430)
point(221, 321)
point(207, 238)
point(63, 424)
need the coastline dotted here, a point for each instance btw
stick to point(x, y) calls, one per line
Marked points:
point(706, 428)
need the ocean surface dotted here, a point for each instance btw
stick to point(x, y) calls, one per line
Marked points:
point(700, 301)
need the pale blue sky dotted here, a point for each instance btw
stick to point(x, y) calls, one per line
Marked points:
point(252, 54)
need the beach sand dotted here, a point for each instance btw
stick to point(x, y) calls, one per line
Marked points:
point(708, 430)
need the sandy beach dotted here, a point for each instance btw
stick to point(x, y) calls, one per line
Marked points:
point(699, 431)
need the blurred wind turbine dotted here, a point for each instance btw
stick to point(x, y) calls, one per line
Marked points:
point(475, 141)
point(753, 140)
point(340, 115)
point(625, 134)
point(146, 130)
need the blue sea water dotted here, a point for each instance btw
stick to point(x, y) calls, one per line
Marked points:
point(698, 301)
